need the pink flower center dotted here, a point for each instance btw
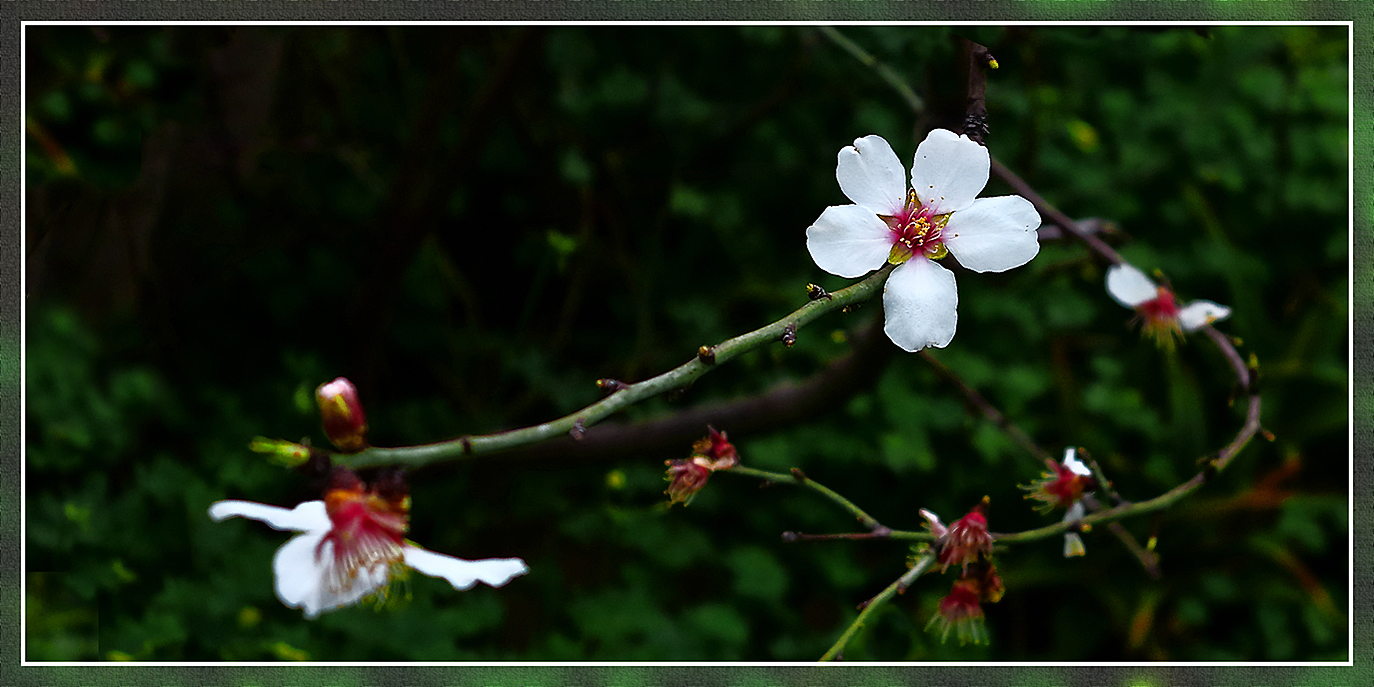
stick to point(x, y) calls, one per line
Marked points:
point(915, 231)
point(368, 531)
point(1162, 308)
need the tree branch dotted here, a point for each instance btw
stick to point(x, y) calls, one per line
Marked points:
point(579, 422)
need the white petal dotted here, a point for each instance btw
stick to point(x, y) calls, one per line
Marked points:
point(949, 171)
point(1075, 512)
point(1073, 545)
point(920, 303)
point(1199, 314)
point(871, 175)
point(463, 574)
point(994, 234)
point(302, 576)
point(849, 241)
point(937, 528)
point(1075, 465)
point(1129, 286)
point(306, 517)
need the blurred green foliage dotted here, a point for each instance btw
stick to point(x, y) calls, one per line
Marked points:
point(475, 223)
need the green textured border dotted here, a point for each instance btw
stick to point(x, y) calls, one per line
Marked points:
point(1003, 11)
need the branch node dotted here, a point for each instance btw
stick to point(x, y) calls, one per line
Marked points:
point(798, 475)
point(611, 386)
point(578, 431)
point(789, 334)
point(790, 537)
point(816, 293)
point(707, 354)
point(466, 443)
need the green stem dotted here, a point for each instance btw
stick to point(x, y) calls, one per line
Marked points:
point(887, 73)
point(873, 604)
point(797, 477)
point(578, 422)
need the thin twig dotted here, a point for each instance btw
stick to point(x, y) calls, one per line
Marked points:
point(876, 602)
point(1049, 212)
point(885, 72)
point(800, 478)
point(987, 409)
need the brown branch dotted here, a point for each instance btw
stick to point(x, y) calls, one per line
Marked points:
point(976, 60)
point(1049, 212)
point(993, 415)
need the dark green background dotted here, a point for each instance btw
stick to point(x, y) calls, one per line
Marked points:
point(475, 223)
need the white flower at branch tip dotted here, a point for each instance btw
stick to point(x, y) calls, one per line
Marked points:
point(913, 226)
point(333, 564)
point(1158, 310)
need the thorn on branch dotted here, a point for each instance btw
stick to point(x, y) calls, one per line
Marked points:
point(789, 334)
point(707, 354)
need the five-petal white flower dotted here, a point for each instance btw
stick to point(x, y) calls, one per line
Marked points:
point(912, 227)
point(307, 572)
point(1156, 304)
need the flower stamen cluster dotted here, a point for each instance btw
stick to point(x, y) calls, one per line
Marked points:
point(1062, 485)
point(968, 544)
point(1160, 315)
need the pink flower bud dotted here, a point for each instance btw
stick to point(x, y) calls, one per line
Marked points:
point(344, 421)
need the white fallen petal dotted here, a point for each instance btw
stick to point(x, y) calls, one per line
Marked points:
point(937, 528)
point(1129, 286)
point(920, 303)
point(994, 234)
point(1073, 545)
point(849, 241)
point(871, 175)
point(949, 171)
point(464, 574)
point(306, 517)
point(303, 569)
point(1199, 314)
point(1075, 465)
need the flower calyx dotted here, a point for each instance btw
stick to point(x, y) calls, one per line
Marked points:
point(964, 541)
point(686, 476)
point(1062, 485)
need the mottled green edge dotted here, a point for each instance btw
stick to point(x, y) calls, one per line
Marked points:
point(12, 673)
